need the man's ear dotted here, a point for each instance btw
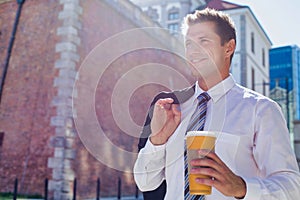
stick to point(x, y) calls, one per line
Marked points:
point(230, 48)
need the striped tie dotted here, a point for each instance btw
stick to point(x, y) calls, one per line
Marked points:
point(196, 123)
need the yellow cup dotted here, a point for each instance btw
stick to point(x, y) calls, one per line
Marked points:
point(196, 140)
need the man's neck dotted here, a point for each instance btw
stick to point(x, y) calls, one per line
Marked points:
point(207, 83)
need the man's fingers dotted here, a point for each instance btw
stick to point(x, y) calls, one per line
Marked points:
point(210, 154)
point(165, 103)
point(176, 109)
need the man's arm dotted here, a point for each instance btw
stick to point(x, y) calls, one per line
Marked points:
point(150, 164)
point(274, 156)
point(149, 167)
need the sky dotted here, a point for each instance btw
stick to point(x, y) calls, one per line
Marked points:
point(279, 18)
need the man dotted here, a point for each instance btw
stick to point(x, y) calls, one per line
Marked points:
point(253, 158)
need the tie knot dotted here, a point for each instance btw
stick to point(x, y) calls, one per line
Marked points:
point(203, 96)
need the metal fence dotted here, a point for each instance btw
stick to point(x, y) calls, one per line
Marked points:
point(98, 190)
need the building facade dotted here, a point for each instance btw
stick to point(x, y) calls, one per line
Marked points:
point(284, 80)
point(250, 64)
point(169, 13)
point(43, 133)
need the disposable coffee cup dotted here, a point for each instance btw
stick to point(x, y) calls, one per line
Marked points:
point(196, 140)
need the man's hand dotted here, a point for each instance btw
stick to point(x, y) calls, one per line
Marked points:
point(223, 179)
point(166, 118)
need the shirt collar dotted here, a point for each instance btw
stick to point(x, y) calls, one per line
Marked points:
point(218, 90)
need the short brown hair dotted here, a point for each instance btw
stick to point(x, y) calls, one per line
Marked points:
point(224, 25)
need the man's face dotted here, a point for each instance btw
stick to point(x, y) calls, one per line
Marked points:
point(204, 51)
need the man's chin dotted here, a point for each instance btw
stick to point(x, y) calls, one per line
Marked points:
point(206, 75)
point(200, 74)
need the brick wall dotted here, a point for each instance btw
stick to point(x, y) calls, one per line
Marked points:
point(31, 116)
point(26, 109)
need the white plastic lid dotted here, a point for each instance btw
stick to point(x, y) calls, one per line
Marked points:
point(202, 133)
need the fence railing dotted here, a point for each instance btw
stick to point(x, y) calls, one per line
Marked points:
point(119, 195)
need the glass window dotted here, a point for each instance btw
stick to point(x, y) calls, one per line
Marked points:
point(252, 43)
point(253, 79)
point(173, 16)
point(173, 28)
point(263, 58)
point(265, 85)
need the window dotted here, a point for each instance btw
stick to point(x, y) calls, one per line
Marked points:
point(252, 43)
point(173, 28)
point(173, 13)
point(263, 58)
point(253, 79)
point(173, 16)
point(152, 13)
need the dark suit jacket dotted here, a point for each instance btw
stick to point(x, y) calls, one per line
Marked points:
point(179, 97)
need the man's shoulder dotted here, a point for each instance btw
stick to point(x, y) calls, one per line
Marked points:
point(251, 95)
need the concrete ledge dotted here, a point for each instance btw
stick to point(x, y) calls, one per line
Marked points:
point(65, 46)
point(53, 185)
point(70, 154)
point(59, 152)
point(69, 1)
point(69, 175)
point(60, 101)
point(65, 82)
point(71, 6)
point(63, 63)
point(71, 133)
point(65, 112)
point(72, 38)
point(57, 121)
point(69, 143)
point(67, 14)
point(72, 22)
point(66, 91)
point(70, 56)
point(55, 162)
point(60, 142)
point(63, 121)
point(66, 30)
point(57, 173)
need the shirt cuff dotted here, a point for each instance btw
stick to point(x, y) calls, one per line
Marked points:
point(151, 158)
point(253, 189)
point(156, 151)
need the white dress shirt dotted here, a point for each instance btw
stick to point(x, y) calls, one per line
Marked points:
point(253, 142)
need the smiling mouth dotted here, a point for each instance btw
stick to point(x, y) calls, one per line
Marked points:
point(195, 61)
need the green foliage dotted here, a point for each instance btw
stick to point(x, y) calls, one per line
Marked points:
point(9, 196)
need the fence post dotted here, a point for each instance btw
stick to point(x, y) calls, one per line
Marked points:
point(16, 189)
point(119, 188)
point(136, 192)
point(46, 189)
point(74, 189)
point(98, 189)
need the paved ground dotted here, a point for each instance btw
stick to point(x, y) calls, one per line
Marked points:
point(104, 198)
point(123, 198)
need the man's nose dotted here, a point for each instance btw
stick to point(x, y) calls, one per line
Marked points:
point(194, 47)
point(195, 50)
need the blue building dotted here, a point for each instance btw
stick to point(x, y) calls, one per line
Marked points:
point(284, 80)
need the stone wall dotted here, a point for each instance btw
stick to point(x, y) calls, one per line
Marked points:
point(61, 183)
